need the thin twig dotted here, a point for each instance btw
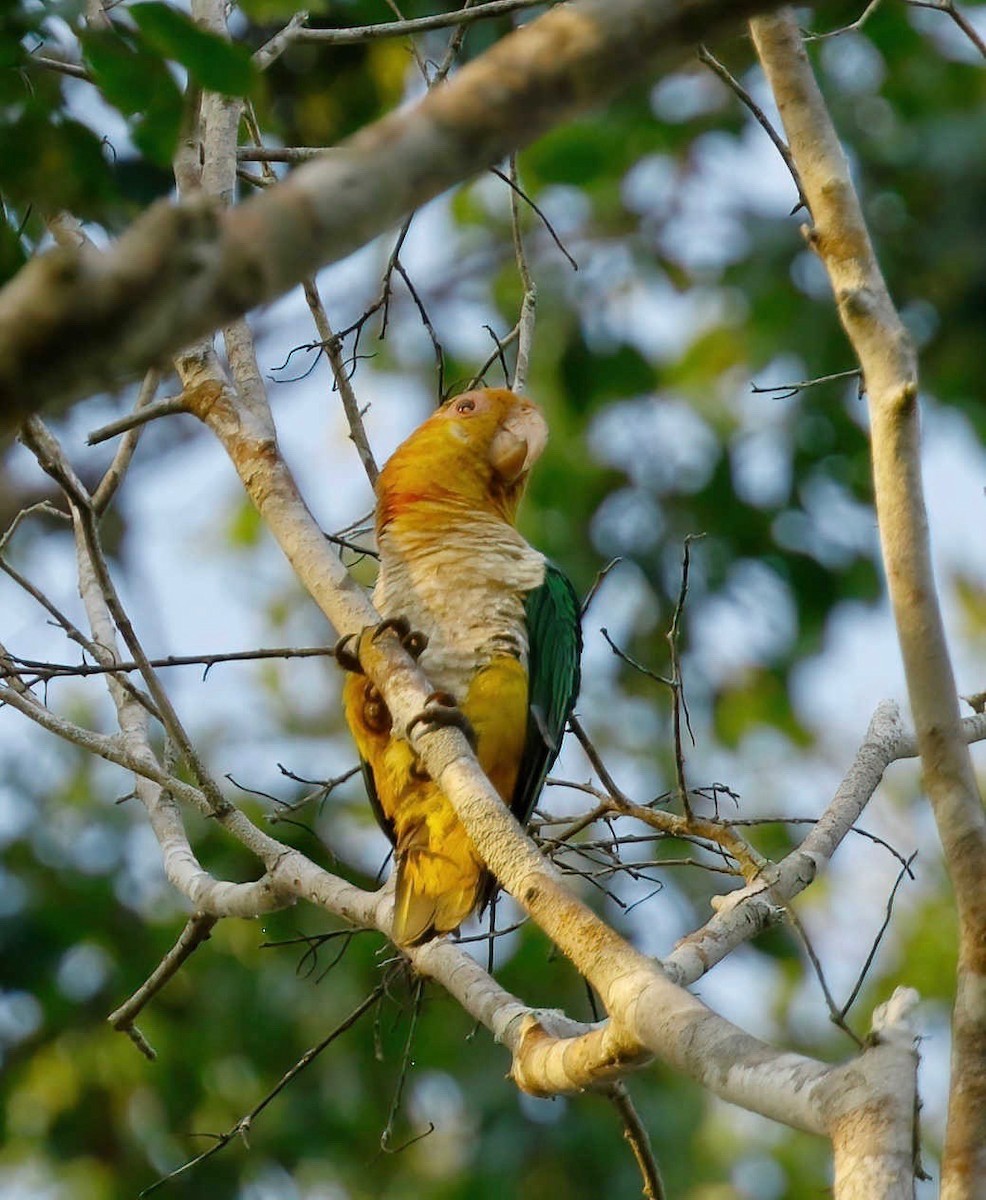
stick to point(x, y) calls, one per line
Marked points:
point(863, 833)
point(860, 21)
point(414, 48)
point(426, 321)
point(864, 971)
point(690, 828)
point(597, 584)
point(451, 51)
point(639, 1141)
point(369, 33)
point(350, 405)
point(321, 793)
point(197, 929)
point(163, 408)
point(395, 1103)
point(497, 356)
point(761, 118)
point(784, 391)
point(50, 670)
point(42, 506)
point(243, 1125)
point(355, 547)
point(113, 477)
point(947, 7)
point(679, 706)
point(632, 662)
point(528, 307)
point(607, 780)
point(515, 187)
point(836, 1015)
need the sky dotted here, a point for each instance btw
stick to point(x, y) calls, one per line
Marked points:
point(190, 593)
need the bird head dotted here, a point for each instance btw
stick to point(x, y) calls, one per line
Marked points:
point(475, 452)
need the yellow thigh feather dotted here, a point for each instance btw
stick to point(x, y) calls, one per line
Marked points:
point(439, 874)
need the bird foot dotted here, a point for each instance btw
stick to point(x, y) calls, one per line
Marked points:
point(346, 649)
point(346, 656)
point(413, 640)
point(442, 712)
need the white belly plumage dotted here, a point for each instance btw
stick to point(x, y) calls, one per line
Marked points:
point(465, 591)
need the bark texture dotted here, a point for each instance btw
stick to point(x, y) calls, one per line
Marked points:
point(883, 347)
point(79, 320)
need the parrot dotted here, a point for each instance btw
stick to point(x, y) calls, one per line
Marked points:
point(496, 629)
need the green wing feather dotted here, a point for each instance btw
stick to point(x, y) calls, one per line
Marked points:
point(554, 631)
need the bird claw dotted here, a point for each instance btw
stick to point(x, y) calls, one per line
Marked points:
point(442, 712)
point(413, 641)
point(347, 658)
point(399, 625)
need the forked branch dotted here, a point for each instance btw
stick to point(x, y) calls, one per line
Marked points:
point(839, 235)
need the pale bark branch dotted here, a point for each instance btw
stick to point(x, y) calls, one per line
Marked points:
point(280, 154)
point(164, 407)
point(746, 912)
point(183, 270)
point(77, 320)
point(113, 477)
point(271, 50)
point(528, 304)
point(51, 459)
point(648, 1014)
point(185, 873)
point(550, 1053)
point(874, 1144)
point(883, 347)
point(59, 66)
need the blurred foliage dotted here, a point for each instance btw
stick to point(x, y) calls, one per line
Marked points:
point(654, 437)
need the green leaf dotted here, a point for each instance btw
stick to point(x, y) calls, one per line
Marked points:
point(246, 527)
point(136, 81)
point(12, 256)
point(593, 377)
point(53, 164)
point(760, 699)
point(129, 77)
point(270, 11)
point(213, 62)
point(155, 133)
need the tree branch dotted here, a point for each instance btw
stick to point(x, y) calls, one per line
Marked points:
point(635, 1133)
point(885, 353)
point(389, 29)
point(197, 929)
point(350, 405)
point(76, 320)
point(648, 1014)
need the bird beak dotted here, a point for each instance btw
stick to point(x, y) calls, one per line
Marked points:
point(518, 443)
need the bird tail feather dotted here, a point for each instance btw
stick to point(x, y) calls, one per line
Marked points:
point(435, 891)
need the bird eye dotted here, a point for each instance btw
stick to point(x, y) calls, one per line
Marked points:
point(465, 406)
